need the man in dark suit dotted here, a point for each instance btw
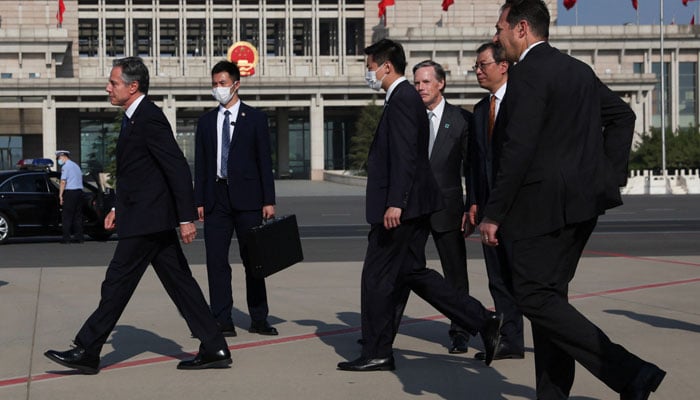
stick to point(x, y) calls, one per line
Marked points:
point(234, 191)
point(447, 150)
point(154, 195)
point(401, 195)
point(492, 74)
point(561, 146)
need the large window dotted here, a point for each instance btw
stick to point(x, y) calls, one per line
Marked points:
point(355, 36)
point(299, 147)
point(98, 138)
point(687, 93)
point(302, 37)
point(250, 32)
point(328, 41)
point(275, 37)
point(87, 37)
point(222, 30)
point(10, 151)
point(656, 97)
point(168, 38)
point(115, 35)
point(143, 38)
point(196, 37)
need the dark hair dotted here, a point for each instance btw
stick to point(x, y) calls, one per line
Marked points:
point(227, 66)
point(535, 12)
point(499, 53)
point(388, 50)
point(133, 70)
point(437, 70)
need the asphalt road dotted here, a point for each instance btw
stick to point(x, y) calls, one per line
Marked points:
point(333, 229)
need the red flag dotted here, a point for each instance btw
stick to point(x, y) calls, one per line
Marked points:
point(383, 4)
point(61, 9)
point(568, 4)
point(692, 20)
point(685, 3)
point(635, 4)
point(446, 4)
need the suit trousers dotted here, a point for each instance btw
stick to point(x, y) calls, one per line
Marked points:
point(130, 260)
point(219, 226)
point(72, 214)
point(395, 260)
point(453, 257)
point(501, 289)
point(542, 268)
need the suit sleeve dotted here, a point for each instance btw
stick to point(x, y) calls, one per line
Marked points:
point(167, 154)
point(264, 159)
point(618, 130)
point(403, 147)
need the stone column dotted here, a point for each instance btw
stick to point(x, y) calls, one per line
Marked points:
point(48, 125)
point(316, 124)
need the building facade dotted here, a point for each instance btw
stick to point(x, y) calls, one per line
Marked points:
point(309, 77)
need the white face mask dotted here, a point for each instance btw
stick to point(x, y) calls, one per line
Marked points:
point(222, 94)
point(371, 79)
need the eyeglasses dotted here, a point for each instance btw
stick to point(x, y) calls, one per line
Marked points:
point(481, 65)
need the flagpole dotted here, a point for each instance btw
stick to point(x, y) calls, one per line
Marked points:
point(663, 99)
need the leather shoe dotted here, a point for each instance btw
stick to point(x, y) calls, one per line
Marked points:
point(204, 360)
point(647, 380)
point(368, 364)
point(228, 330)
point(262, 328)
point(75, 358)
point(504, 352)
point(491, 335)
point(460, 344)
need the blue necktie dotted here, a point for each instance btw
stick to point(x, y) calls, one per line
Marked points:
point(225, 144)
point(125, 123)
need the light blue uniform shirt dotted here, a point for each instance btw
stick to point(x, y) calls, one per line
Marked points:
point(70, 172)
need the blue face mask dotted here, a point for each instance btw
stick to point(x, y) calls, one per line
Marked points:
point(61, 162)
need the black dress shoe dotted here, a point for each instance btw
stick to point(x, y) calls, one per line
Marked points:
point(460, 344)
point(491, 335)
point(228, 330)
point(262, 328)
point(368, 364)
point(75, 358)
point(504, 352)
point(204, 360)
point(647, 380)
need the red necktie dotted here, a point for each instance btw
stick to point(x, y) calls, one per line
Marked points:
point(492, 115)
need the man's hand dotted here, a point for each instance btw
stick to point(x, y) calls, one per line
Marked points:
point(268, 212)
point(467, 226)
point(392, 218)
point(488, 229)
point(200, 214)
point(188, 232)
point(109, 221)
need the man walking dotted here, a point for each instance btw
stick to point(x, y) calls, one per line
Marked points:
point(70, 196)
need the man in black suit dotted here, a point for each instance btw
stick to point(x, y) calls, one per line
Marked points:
point(234, 190)
point(447, 150)
point(492, 74)
point(561, 146)
point(154, 195)
point(401, 195)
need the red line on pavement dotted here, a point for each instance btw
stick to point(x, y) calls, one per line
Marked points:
point(154, 360)
point(659, 260)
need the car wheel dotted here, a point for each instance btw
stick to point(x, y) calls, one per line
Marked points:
point(5, 228)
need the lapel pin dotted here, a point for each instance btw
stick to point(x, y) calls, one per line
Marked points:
point(447, 126)
point(242, 114)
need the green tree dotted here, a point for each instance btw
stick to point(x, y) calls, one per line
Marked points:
point(682, 150)
point(365, 126)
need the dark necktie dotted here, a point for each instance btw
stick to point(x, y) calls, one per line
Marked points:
point(225, 144)
point(433, 133)
point(125, 123)
point(492, 115)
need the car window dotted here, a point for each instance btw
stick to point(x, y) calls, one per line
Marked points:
point(6, 186)
point(32, 183)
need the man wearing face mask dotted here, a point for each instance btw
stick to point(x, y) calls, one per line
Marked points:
point(401, 195)
point(70, 195)
point(234, 191)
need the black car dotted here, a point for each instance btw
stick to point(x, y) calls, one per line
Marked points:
point(29, 205)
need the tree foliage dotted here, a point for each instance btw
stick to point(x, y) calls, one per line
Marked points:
point(682, 150)
point(360, 142)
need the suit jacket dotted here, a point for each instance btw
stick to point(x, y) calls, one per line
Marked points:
point(480, 158)
point(398, 170)
point(251, 183)
point(448, 161)
point(561, 145)
point(154, 183)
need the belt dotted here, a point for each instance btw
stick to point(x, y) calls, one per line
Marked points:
point(222, 180)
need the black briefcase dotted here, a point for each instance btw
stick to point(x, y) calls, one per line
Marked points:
point(274, 246)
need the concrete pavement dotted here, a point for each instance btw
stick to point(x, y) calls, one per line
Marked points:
point(647, 304)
